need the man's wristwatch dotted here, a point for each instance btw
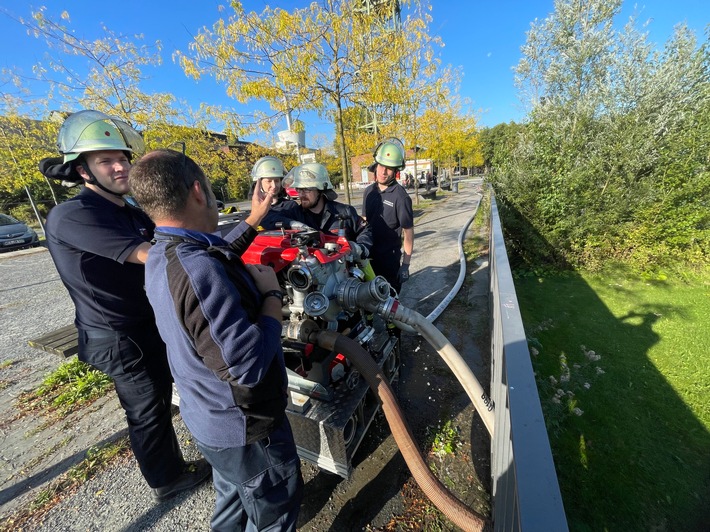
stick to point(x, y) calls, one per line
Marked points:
point(273, 293)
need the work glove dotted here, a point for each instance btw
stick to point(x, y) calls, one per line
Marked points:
point(403, 274)
point(359, 252)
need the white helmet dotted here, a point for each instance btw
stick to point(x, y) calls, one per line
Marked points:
point(311, 175)
point(267, 168)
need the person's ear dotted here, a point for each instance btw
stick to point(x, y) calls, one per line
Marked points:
point(197, 192)
point(201, 193)
point(81, 171)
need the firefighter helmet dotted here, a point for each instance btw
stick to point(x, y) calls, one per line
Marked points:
point(267, 168)
point(88, 131)
point(311, 175)
point(390, 153)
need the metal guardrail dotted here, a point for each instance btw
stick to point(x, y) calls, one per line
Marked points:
point(526, 494)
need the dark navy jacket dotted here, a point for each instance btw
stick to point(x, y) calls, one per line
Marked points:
point(334, 215)
point(226, 358)
point(387, 212)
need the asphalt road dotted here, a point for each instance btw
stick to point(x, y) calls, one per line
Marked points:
point(33, 302)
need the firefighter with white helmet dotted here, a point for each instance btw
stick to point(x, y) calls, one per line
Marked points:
point(388, 209)
point(318, 209)
point(267, 174)
point(99, 244)
point(312, 176)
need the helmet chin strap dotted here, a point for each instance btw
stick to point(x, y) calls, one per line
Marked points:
point(317, 203)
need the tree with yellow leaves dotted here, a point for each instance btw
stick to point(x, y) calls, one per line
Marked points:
point(324, 57)
point(108, 76)
point(22, 143)
point(452, 135)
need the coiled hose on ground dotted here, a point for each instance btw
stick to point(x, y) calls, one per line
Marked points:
point(434, 314)
point(462, 516)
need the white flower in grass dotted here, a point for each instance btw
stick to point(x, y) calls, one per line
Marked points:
point(564, 377)
point(555, 400)
point(560, 392)
point(576, 366)
point(591, 355)
point(587, 385)
point(534, 352)
point(553, 380)
point(600, 371)
point(570, 393)
point(577, 411)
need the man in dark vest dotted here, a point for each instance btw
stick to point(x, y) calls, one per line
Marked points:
point(318, 209)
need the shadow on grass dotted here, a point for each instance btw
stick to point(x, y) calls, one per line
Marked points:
point(629, 452)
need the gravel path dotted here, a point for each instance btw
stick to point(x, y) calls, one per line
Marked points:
point(34, 302)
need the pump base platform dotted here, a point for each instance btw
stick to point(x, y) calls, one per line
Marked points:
point(328, 433)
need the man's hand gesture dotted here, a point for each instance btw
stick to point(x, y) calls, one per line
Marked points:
point(260, 205)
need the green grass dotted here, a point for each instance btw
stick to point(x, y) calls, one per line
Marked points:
point(72, 384)
point(446, 439)
point(623, 370)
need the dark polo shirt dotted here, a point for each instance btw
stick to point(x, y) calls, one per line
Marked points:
point(90, 238)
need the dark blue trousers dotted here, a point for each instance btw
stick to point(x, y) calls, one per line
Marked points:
point(136, 360)
point(259, 486)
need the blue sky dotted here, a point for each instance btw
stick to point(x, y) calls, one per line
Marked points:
point(483, 37)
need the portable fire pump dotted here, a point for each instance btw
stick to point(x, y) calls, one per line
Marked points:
point(339, 367)
point(325, 287)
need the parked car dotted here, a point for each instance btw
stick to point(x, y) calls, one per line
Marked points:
point(15, 234)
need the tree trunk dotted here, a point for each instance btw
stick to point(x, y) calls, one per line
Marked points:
point(51, 189)
point(416, 157)
point(343, 151)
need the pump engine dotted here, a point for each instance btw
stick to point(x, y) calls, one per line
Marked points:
point(325, 287)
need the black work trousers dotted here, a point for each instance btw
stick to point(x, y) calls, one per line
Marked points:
point(137, 362)
point(386, 262)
